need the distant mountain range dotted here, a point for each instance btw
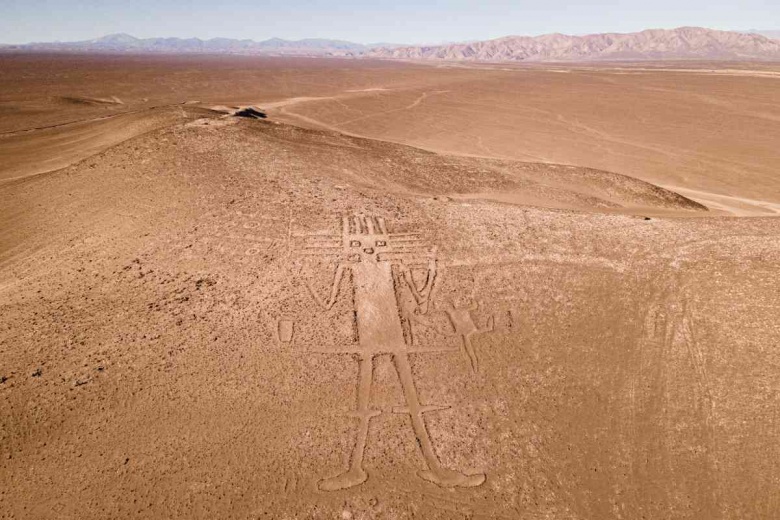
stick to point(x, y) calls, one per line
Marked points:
point(126, 43)
point(652, 44)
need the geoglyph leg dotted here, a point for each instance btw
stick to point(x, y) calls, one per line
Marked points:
point(356, 475)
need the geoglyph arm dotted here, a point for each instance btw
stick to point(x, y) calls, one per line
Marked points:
point(334, 290)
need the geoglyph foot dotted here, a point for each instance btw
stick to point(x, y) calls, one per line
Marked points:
point(449, 478)
point(348, 479)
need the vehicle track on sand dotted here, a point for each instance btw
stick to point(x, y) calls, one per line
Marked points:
point(736, 206)
point(88, 119)
point(50, 149)
point(410, 106)
point(284, 107)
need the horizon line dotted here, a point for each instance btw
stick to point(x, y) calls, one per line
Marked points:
point(369, 44)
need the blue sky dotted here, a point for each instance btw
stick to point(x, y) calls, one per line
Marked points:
point(402, 21)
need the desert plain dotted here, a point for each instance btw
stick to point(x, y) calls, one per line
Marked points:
point(395, 290)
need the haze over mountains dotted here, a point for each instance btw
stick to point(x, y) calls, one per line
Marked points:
point(652, 44)
point(274, 46)
point(769, 33)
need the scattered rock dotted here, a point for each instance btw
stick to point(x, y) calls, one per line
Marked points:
point(250, 113)
point(38, 372)
point(200, 282)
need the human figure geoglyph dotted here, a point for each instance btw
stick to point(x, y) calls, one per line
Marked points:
point(464, 326)
point(378, 261)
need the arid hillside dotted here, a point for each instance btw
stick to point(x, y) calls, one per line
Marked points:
point(211, 316)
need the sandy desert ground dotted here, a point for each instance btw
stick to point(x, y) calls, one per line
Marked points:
point(411, 291)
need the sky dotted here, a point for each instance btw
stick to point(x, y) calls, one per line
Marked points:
point(390, 21)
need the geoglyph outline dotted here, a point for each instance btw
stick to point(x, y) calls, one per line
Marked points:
point(379, 261)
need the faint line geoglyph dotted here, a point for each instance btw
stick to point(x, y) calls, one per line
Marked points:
point(463, 323)
point(379, 261)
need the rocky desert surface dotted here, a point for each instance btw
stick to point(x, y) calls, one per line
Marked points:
point(388, 290)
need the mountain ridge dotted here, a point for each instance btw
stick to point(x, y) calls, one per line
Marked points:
point(123, 42)
point(769, 33)
point(650, 44)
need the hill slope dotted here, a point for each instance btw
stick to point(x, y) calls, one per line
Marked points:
point(163, 355)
